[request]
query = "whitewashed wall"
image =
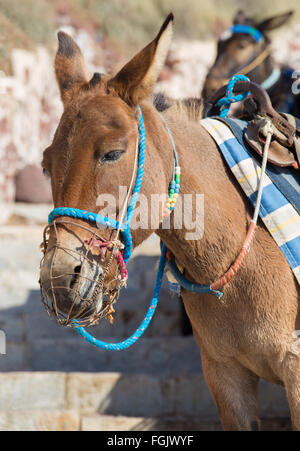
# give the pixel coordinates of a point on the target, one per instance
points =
(30, 108)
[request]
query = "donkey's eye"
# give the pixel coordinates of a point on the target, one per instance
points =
(114, 155)
(243, 44)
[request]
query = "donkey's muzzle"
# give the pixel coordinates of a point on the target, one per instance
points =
(70, 283)
(81, 273)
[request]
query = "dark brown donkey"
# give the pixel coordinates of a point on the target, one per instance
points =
(249, 333)
(241, 53)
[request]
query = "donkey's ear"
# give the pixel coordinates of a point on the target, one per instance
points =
(71, 72)
(274, 22)
(137, 79)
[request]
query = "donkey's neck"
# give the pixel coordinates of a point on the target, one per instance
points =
(265, 73)
(223, 221)
(262, 69)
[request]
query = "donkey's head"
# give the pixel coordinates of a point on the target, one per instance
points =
(243, 49)
(91, 156)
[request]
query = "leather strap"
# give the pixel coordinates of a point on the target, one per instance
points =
(292, 120)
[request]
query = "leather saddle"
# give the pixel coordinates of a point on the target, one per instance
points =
(282, 152)
(285, 146)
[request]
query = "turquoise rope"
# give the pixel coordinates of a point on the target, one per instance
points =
(99, 219)
(107, 222)
(140, 331)
(190, 286)
(84, 215)
(230, 98)
(247, 29)
(140, 172)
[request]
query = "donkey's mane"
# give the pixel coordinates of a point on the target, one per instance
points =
(191, 108)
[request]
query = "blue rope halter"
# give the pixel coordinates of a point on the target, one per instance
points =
(247, 29)
(230, 98)
(127, 239)
(144, 325)
(107, 222)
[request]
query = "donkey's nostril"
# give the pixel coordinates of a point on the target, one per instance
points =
(69, 281)
(75, 276)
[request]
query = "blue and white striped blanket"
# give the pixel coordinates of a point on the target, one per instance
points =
(279, 216)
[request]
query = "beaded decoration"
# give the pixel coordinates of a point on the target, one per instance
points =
(174, 189)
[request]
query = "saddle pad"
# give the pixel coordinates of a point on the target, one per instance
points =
(279, 216)
(287, 180)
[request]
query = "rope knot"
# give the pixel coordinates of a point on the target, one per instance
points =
(230, 98)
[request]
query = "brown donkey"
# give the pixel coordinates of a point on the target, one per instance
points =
(248, 334)
(251, 54)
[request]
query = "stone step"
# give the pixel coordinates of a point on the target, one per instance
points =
(69, 352)
(118, 423)
(22, 311)
(133, 395)
(35, 420)
(39, 420)
(29, 214)
(96, 422)
(131, 309)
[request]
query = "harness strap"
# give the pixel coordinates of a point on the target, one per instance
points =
(247, 29)
(249, 67)
(256, 62)
(144, 325)
(271, 80)
(230, 274)
(253, 64)
(186, 284)
(268, 132)
(125, 229)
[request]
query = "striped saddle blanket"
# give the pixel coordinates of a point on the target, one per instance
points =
(280, 207)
